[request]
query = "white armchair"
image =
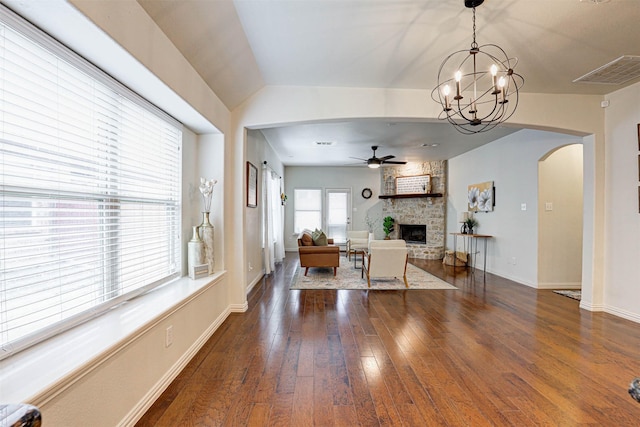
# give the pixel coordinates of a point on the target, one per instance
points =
(386, 258)
(357, 241)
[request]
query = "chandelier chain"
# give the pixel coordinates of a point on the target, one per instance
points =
(474, 45)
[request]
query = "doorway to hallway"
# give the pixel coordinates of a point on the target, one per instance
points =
(560, 218)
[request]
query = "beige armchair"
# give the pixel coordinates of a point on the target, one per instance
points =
(357, 241)
(385, 259)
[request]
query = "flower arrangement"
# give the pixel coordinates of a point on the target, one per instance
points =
(206, 189)
(283, 199)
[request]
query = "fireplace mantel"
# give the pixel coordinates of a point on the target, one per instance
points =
(408, 196)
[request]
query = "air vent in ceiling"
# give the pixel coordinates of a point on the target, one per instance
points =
(323, 143)
(616, 72)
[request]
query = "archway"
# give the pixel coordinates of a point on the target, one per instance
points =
(560, 218)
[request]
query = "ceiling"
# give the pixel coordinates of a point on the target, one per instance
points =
(240, 46)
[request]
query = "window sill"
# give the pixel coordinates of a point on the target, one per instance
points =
(38, 372)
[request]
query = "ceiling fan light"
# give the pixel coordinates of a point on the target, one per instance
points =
(374, 165)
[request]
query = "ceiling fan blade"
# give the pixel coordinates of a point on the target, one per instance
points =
(385, 158)
(393, 163)
(358, 158)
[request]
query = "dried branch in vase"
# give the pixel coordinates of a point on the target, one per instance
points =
(206, 189)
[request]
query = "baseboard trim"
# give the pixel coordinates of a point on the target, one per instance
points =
(156, 391)
(591, 307)
(634, 317)
(560, 285)
(239, 308)
(254, 282)
(505, 275)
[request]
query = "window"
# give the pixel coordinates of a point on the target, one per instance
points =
(90, 176)
(307, 205)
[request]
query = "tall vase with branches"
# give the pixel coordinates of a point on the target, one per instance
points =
(206, 229)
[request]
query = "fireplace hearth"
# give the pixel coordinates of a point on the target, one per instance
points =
(413, 233)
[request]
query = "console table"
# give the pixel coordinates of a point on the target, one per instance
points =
(472, 241)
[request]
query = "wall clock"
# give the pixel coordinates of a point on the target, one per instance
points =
(366, 193)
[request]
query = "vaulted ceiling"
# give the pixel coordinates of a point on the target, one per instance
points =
(240, 46)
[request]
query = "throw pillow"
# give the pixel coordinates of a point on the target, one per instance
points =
(306, 239)
(320, 239)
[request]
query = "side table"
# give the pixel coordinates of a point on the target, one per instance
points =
(472, 241)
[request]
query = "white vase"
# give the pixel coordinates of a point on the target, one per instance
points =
(206, 234)
(195, 252)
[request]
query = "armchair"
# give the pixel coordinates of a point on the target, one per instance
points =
(386, 258)
(357, 241)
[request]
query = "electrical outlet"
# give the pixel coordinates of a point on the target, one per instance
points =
(250, 267)
(168, 338)
(523, 206)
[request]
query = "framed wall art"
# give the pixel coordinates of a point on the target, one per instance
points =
(252, 185)
(417, 184)
(480, 197)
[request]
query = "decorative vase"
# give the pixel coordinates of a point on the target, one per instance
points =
(195, 252)
(206, 232)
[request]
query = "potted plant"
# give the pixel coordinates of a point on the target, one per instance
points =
(469, 224)
(387, 226)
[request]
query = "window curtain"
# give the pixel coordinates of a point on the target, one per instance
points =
(273, 220)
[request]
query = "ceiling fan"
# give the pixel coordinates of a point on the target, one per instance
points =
(375, 162)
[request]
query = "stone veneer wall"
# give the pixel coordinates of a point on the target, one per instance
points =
(427, 210)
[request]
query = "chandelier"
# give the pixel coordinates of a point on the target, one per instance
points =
(477, 88)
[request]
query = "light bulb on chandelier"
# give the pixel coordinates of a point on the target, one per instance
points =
(484, 82)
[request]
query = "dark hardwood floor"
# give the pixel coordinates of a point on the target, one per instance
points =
(494, 354)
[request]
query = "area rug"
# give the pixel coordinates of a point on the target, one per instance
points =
(348, 277)
(571, 294)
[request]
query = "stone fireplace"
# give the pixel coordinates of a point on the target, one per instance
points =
(426, 211)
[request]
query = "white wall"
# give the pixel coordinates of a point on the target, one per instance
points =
(210, 165)
(512, 164)
(353, 178)
(258, 151)
(622, 291)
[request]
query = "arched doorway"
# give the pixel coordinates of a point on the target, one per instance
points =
(560, 218)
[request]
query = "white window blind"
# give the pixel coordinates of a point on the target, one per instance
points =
(90, 179)
(307, 209)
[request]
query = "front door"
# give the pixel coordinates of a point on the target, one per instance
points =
(338, 212)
